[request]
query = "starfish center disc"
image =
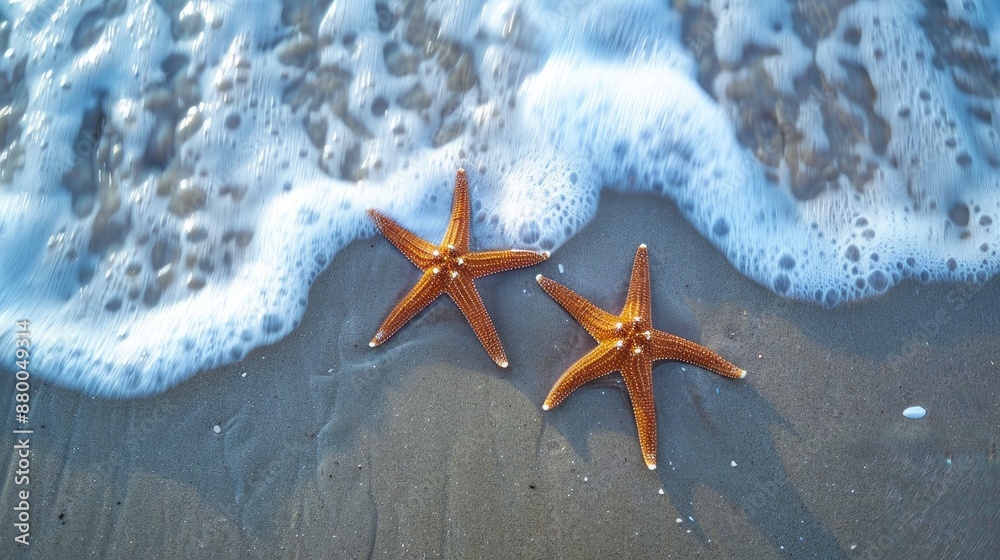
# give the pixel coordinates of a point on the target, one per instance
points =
(446, 262)
(633, 336)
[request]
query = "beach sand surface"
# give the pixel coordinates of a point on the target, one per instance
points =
(321, 447)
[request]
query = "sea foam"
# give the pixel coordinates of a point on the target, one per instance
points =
(174, 175)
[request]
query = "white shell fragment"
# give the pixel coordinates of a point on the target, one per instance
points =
(915, 412)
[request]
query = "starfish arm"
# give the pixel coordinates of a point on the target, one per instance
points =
(423, 293)
(598, 362)
(665, 346)
(483, 263)
(457, 233)
(599, 323)
(416, 249)
(638, 376)
(637, 303)
(463, 291)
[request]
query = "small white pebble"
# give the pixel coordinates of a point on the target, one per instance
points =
(915, 412)
(244, 374)
(679, 520)
(661, 491)
(732, 463)
(560, 268)
(216, 428)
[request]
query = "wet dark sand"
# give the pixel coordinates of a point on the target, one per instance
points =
(424, 448)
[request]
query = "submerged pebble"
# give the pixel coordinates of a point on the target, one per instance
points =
(915, 412)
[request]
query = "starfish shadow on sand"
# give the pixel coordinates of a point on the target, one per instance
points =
(702, 433)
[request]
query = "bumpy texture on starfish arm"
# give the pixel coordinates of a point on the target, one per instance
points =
(450, 268)
(629, 344)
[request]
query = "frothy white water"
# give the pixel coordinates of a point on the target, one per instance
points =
(173, 176)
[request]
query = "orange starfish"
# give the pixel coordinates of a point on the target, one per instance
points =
(450, 268)
(629, 344)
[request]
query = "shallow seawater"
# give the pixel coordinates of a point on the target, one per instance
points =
(190, 280)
